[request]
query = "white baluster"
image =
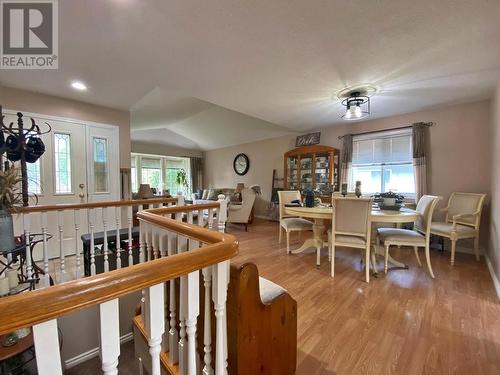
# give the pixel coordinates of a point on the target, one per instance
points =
(149, 243)
(27, 234)
(91, 215)
(210, 218)
(156, 324)
(142, 236)
(46, 342)
(109, 336)
(60, 220)
(222, 214)
(207, 322)
(192, 311)
(118, 248)
(181, 247)
(173, 337)
(165, 338)
(105, 243)
(77, 242)
(45, 249)
(220, 281)
(180, 199)
(130, 241)
(161, 244)
(155, 250)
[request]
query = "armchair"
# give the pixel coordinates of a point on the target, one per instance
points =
(240, 213)
(463, 217)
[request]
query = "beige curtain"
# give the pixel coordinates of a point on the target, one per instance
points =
(419, 136)
(196, 165)
(345, 159)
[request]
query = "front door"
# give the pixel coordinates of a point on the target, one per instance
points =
(64, 175)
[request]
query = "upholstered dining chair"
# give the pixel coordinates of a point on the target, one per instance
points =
(417, 237)
(351, 227)
(463, 218)
(240, 213)
(288, 222)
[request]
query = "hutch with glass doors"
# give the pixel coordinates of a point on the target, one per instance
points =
(313, 168)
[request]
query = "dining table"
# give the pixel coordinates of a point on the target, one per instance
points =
(321, 213)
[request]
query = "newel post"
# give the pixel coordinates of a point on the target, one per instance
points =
(222, 214)
(180, 199)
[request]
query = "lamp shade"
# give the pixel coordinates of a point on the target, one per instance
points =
(144, 192)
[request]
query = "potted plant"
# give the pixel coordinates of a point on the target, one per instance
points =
(181, 180)
(10, 197)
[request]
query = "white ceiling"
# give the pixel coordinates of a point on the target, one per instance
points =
(182, 64)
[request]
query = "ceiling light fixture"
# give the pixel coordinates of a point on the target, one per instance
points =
(78, 85)
(357, 106)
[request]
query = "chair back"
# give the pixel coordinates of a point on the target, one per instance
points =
(247, 200)
(338, 194)
(465, 203)
(425, 207)
(286, 197)
(351, 216)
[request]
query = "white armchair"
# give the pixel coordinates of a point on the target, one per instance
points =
(463, 217)
(240, 213)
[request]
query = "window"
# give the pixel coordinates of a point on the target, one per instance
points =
(151, 172)
(100, 146)
(382, 162)
(62, 159)
(34, 179)
(160, 172)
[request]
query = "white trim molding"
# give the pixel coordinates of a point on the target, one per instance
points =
(94, 352)
(494, 277)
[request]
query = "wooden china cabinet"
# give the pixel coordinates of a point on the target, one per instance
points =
(313, 168)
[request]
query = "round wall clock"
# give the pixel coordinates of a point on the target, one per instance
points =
(241, 164)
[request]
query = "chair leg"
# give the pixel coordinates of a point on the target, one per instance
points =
(428, 259)
(367, 263)
(374, 261)
(318, 256)
(332, 263)
(453, 247)
(279, 237)
(287, 242)
(415, 249)
(386, 258)
(476, 247)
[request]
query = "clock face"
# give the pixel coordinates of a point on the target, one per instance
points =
(241, 164)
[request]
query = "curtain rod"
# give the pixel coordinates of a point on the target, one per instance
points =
(383, 130)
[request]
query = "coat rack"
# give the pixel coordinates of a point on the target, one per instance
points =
(22, 145)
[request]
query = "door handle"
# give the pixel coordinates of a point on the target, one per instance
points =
(82, 194)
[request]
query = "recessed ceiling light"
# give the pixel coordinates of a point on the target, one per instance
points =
(78, 85)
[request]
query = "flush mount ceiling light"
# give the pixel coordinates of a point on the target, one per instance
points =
(78, 85)
(356, 100)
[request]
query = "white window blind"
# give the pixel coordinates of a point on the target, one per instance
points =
(383, 161)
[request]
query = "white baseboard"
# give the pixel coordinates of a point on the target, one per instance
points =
(494, 277)
(80, 358)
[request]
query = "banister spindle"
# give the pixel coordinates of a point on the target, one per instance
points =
(46, 277)
(105, 243)
(181, 247)
(27, 237)
(207, 322)
(173, 335)
(76, 214)
(210, 218)
(220, 280)
(46, 342)
(109, 336)
(155, 326)
(60, 224)
(192, 312)
(142, 240)
(91, 215)
(117, 241)
(222, 214)
(130, 240)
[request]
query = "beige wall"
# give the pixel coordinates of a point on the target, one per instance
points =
(494, 243)
(21, 100)
(158, 149)
(459, 151)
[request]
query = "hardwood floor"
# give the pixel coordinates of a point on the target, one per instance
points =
(401, 323)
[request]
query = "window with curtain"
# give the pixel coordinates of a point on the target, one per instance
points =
(151, 172)
(172, 166)
(383, 162)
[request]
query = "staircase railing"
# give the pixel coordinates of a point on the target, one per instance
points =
(60, 227)
(178, 251)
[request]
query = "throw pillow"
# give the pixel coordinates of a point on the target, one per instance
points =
(205, 194)
(213, 194)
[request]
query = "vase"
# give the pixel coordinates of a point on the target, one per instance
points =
(7, 242)
(357, 191)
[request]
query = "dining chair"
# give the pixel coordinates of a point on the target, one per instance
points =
(463, 218)
(290, 223)
(417, 237)
(351, 227)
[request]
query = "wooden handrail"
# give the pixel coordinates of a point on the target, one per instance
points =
(81, 206)
(38, 306)
(176, 209)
